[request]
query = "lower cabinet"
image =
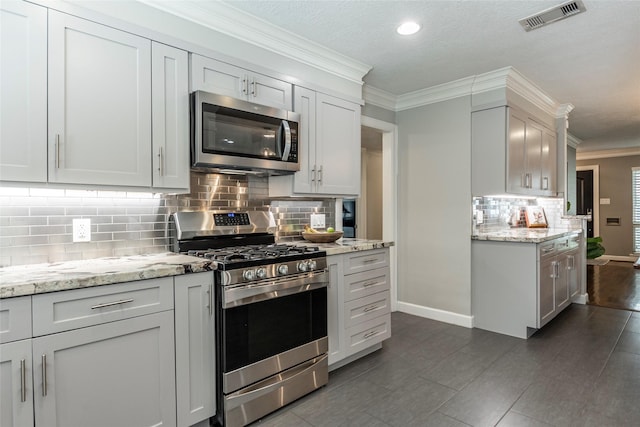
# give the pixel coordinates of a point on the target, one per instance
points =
(359, 311)
(195, 345)
(16, 384)
(118, 373)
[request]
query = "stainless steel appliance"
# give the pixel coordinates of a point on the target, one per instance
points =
(271, 311)
(229, 134)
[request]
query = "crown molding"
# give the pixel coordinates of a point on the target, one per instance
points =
(573, 141)
(379, 98)
(227, 19)
(439, 93)
(603, 154)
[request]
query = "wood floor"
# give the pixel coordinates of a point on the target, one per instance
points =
(614, 285)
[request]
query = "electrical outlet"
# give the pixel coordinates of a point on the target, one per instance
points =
(317, 221)
(82, 230)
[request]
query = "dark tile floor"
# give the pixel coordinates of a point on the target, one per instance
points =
(614, 285)
(582, 369)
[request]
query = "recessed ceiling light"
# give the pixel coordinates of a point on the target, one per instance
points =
(408, 28)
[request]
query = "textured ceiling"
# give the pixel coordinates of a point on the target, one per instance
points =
(591, 60)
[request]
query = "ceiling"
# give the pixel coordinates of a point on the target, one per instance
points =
(591, 60)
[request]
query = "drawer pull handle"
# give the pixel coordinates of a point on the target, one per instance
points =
(23, 380)
(547, 250)
(370, 308)
(109, 304)
(44, 374)
(370, 334)
(370, 260)
(370, 283)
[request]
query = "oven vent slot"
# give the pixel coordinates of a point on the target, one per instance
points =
(562, 11)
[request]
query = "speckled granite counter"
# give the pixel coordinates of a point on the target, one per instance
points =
(345, 245)
(524, 235)
(40, 278)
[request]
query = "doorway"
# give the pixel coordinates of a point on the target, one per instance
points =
(588, 196)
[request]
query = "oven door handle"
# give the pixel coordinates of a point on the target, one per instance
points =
(272, 383)
(233, 296)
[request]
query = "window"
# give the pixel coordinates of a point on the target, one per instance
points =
(635, 189)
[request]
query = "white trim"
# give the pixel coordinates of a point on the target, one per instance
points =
(389, 193)
(379, 97)
(436, 314)
(623, 258)
(227, 19)
(596, 196)
(573, 141)
(581, 299)
(434, 94)
(604, 154)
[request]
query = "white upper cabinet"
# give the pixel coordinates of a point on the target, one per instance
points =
(170, 117)
(23, 88)
(99, 104)
(512, 153)
(329, 138)
(224, 79)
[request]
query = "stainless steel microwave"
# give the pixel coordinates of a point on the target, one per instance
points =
(229, 134)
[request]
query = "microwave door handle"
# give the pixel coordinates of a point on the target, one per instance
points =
(287, 140)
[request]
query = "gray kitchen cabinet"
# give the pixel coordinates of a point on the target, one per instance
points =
(218, 77)
(329, 152)
(23, 88)
(359, 313)
(99, 104)
(16, 373)
(527, 149)
(195, 348)
(105, 355)
(170, 118)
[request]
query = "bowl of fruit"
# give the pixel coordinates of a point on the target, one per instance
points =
(316, 236)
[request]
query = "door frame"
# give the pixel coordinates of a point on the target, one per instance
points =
(595, 217)
(389, 193)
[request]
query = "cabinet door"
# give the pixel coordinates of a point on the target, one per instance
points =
(115, 374)
(337, 146)
(546, 298)
(170, 113)
(99, 104)
(549, 163)
(195, 348)
(304, 181)
(269, 91)
(16, 384)
(218, 77)
(561, 284)
(23, 92)
(574, 271)
(533, 137)
(335, 319)
(516, 154)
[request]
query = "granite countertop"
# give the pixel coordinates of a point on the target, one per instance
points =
(40, 278)
(524, 235)
(345, 245)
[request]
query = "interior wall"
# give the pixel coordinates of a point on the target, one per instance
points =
(374, 194)
(571, 180)
(615, 185)
(434, 206)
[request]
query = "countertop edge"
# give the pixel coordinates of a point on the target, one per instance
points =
(530, 238)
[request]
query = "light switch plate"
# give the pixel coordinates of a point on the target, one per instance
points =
(317, 221)
(82, 230)
(606, 201)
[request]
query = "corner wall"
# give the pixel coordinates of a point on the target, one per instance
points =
(434, 211)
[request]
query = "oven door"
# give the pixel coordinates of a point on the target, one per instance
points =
(272, 326)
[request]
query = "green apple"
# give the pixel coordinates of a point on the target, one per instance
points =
(330, 230)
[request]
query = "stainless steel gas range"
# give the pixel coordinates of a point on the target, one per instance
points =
(271, 311)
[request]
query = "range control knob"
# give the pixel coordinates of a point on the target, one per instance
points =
(249, 275)
(261, 273)
(283, 269)
(303, 266)
(312, 264)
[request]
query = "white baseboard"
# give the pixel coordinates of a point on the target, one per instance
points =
(436, 314)
(619, 258)
(581, 299)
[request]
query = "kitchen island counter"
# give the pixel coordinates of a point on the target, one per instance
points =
(345, 245)
(524, 235)
(41, 278)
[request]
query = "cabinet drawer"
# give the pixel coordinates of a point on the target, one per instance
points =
(366, 260)
(15, 319)
(365, 309)
(366, 283)
(547, 249)
(62, 311)
(366, 334)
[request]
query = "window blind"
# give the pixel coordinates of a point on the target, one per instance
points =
(635, 188)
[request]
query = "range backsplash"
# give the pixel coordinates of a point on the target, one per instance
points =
(498, 211)
(36, 224)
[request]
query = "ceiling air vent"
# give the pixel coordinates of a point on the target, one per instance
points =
(553, 14)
